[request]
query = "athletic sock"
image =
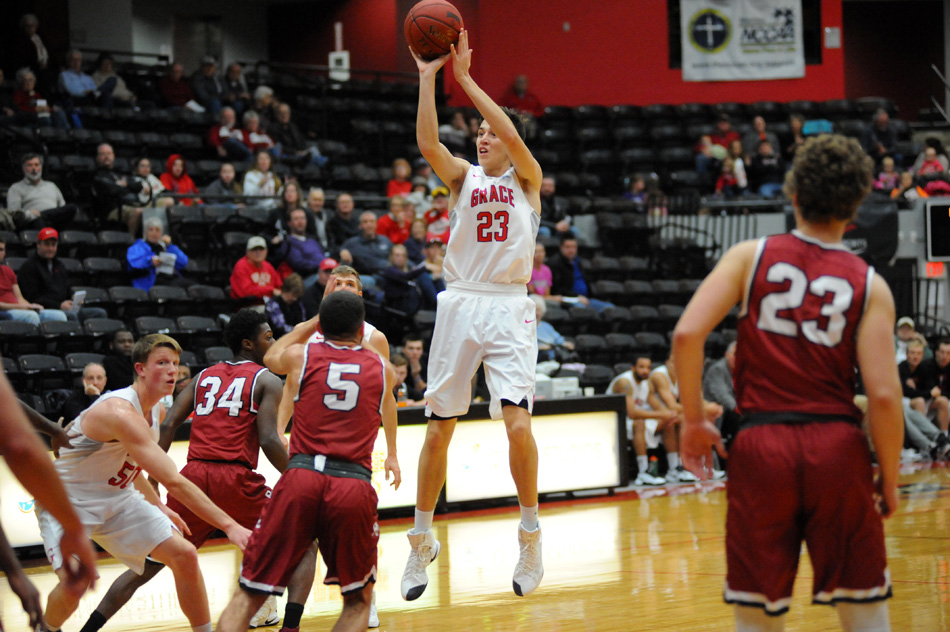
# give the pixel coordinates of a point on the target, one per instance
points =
(95, 622)
(423, 521)
(203, 628)
(673, 460)
(642, 463)
(292, 614)
(529, 517)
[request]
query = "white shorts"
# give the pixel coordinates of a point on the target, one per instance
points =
(128, 528)
(649, 432)
(482, 323)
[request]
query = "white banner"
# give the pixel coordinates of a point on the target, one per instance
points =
(741, 40)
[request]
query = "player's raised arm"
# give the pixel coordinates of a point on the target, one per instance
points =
(450, 169)
(525, 164)
(269, 395)
(882, 385)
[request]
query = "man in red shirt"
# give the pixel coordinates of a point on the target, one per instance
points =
(519, 98)
(253, 278)
(345, 393)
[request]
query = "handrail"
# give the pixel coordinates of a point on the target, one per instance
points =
(946, 91)
(161, 57)
(321, 69)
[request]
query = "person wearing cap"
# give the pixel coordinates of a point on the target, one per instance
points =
(12, 304)
(905, 333)
(44, 279)
(39, 201)
(209, 91)
(437, 217)
(253, 278)
(313, 295)
(298, 251)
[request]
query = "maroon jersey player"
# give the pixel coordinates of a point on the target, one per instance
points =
(234, 415)
(800, 467)
(345, 392)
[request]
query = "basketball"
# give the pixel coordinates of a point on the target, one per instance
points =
(431, 27)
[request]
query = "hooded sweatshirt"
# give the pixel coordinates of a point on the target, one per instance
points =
(181, 184)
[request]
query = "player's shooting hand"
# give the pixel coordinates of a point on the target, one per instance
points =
(886, 498)
(331, 287)
(29, 597)
(697, 441)
(430, 67)
(392, 467)
(239, 536)
(461, 56)
(60, 439)
(79, 562)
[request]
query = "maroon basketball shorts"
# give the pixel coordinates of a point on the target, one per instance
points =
(307, 506)
(795, 482)
(240, 492)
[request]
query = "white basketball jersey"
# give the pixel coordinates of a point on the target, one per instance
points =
(674, 387)
(92, 470)
(640, 390)
(493, 230)
(367, 332)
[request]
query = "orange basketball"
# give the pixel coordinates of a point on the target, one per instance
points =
(431, 27)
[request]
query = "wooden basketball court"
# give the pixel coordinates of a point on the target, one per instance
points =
(650, 559)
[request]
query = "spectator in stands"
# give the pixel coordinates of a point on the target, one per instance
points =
(416, 365)
(400, 183)
(455, 134)
(437, 217)
(261, 181)
(236, 93)
(291, 144)
(184, 378)
(155, 260)
(766, 171)
(758, 133)
(316, 200)
(569, 284)
(905, 333)
(344, 224)
(554, 218)
(919, 380)
(44, 280)
(888, 178)
(6, 101)
(434, 257)
(227, 139)
(79, 88)
(12, 304)
(152, 187)
(265, 104)
(207, 86)
(286, 310)
(549, 340)
(120, 372)
(177, 181)
(115, 196)
(424, 170)
(395, 223)
(724, 133)
(368, 252)
(739, 163)
(941, 154)
(880, 138)
(708, 155)
(313, 295)
(637, 191)
(541, 279)
(278, 220)
(105, 73)
(27, 49)
(727, 185)
(931, 163)
(255, 137)
(519, 97)
(225, 189)
(300, 252)
(908, 191)
(407, 289)
(796, 125)
(253, 278)
(718, 387)
(175, 90)
(416, 244)
(405, 395)
(38, 203)
(30, 108)
(93, 385)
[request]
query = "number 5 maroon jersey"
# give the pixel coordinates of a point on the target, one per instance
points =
(337, 411)
(224, 426)
(797, 350)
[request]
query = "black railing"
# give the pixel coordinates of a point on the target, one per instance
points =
(159, 58)
(944, 92)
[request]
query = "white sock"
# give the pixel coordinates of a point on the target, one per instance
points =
(673, 459)
(752, 619)
(866, 617)
(423, 522)
(529, 517)
(203, 628)
(642, 463)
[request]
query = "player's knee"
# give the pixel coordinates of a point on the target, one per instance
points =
(359, 599)
(941, 403)
(183, 558)
(519, 431)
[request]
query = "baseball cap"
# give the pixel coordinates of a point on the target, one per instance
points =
(328, 264)
(436, 192)
(256, 242)
(47, 233)
(209, 60)
(905, 320)
(434, 241)
(421, 162)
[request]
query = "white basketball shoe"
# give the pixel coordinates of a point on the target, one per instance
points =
(267, 615)
(425, 548)
(529, 570)
(373, 615)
